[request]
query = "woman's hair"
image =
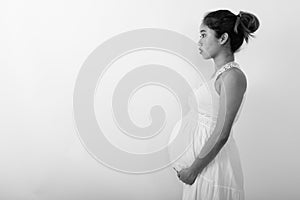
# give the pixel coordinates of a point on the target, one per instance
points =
(238, 27)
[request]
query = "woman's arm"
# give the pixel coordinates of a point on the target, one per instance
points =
(233, 86)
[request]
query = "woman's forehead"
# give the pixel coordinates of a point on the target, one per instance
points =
(203, 27)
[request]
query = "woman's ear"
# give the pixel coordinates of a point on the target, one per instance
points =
(224, 38)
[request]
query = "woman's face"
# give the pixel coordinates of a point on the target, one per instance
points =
(209, 45)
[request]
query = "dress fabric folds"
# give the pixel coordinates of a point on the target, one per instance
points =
(223, 178)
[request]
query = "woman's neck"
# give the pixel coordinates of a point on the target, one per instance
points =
(223, 59)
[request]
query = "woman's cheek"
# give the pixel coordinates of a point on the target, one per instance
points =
(207, 52)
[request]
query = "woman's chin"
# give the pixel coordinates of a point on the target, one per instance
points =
(205, 57)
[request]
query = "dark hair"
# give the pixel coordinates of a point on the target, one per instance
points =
(238, 27)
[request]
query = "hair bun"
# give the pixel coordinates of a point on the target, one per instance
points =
(246, 23)
(250, 21)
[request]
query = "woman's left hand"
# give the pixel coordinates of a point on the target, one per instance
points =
(187, 175)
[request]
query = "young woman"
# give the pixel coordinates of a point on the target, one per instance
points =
(210, 169)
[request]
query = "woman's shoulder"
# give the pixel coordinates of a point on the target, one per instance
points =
(234, 76)
(235, 72)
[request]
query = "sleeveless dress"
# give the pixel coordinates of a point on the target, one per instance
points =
(222, 179)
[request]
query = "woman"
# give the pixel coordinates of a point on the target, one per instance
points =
(210, 168)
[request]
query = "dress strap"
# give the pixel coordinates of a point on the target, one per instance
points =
(225, 67)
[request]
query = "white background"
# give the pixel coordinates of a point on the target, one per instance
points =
(43, 45)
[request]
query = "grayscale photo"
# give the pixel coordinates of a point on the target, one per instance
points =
(149, 100)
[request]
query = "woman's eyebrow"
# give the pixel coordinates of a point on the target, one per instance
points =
(201, 31)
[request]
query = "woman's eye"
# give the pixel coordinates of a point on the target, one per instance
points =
(202, 35)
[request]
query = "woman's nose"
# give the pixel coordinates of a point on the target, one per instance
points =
(199, 43)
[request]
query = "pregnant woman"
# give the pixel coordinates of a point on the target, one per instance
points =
(210, 168)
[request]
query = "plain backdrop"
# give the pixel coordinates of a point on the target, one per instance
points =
(42, 47)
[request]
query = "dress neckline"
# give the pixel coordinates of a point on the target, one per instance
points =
(224, 68)
(218, 73)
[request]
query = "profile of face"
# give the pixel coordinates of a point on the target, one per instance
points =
(209, 45)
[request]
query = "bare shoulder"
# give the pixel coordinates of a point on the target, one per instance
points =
(233, 78)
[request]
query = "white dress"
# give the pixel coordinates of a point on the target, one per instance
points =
(222, 179)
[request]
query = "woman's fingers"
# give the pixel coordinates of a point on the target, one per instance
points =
(175, 169)
(177, 172)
